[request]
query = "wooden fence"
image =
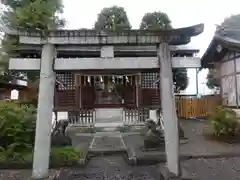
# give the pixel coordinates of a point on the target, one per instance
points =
(192, 106)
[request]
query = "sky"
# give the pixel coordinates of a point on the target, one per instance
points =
(83, 14)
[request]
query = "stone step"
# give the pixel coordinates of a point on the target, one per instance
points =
(108, 134)
(108, 124)
(106, 129)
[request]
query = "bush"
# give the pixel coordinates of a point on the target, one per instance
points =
(30, 103)
(58, 156)
(65, 155)
(17, 127)
(17, 134)
(223, 121)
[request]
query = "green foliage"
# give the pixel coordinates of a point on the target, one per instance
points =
(160, 20)
(17, 127)
(39, 15)
(30, 103)
(155, 21)
(180, 79)
(113, 18)
(65, 155)
(17, 134)
(223, 121)
(33, 14)
(58, 156)
(212, 81)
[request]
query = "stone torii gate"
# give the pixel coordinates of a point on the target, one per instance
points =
(49, 63)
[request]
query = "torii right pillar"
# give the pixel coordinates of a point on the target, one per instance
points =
(170, 120)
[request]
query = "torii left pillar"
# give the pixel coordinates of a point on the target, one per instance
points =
(44, 116)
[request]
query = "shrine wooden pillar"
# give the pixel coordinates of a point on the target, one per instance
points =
(168, 109)
(137, 82)
(78, 90)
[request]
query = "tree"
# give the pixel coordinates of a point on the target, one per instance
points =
(180, 79)
(212, 81)
(39, 15)
(155, 21)
(4, 75)
(160, 20)
(33, 14)
(113, 18)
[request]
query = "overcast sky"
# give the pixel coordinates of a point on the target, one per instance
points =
(83, 14)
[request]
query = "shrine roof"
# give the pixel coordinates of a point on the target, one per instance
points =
(227, 39)
(10, 85)
(172, 36)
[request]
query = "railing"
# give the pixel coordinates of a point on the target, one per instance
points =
(135, 116)
(187, 107)
(82, 117)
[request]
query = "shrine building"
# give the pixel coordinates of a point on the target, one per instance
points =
(105, 77)
(223, 55)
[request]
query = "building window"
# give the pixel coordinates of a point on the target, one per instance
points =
(148, 80)
(65, 81)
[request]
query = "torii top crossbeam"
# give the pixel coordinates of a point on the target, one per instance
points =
(93, 37)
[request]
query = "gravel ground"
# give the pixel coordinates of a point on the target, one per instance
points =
(197, 145)
(194, 131)
(22, 174)
(214, 169)
(206, 169)
(111, 167)
(115, 167)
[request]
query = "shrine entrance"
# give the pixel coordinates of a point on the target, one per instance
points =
(109, 95)
(108, 91)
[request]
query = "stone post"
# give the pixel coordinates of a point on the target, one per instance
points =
(44, 117)
(169, 110)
